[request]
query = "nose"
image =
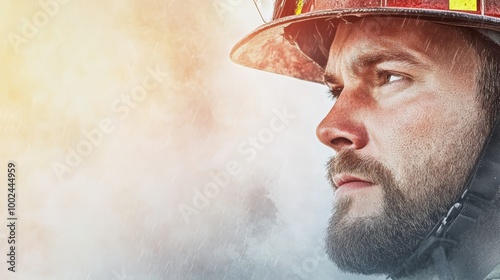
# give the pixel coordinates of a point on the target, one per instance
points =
(343, 128)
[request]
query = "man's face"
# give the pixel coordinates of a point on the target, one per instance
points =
(407, 127)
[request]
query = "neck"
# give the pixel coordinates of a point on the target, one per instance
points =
(478, 252)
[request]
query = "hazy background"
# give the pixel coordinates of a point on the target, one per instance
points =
(111, 209)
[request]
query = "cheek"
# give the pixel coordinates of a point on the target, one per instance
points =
(408, 136)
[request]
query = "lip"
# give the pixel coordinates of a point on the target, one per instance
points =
(348, 181)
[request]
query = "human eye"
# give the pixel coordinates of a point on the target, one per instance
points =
(392, 78)
(387, 77)
(390, 82)
(334, 93)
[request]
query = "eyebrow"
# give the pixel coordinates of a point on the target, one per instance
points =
(369, 59)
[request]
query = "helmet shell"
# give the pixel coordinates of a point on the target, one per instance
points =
(297, 45)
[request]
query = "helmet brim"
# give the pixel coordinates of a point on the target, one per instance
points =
(268, 48)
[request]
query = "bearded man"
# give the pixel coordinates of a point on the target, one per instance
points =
(414, 127)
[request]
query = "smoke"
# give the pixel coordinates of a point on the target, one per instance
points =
(142, 152)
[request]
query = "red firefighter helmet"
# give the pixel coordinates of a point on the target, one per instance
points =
(297, 40)
(296, 43)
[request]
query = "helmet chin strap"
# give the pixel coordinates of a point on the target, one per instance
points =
(480, 191)
(492, 35)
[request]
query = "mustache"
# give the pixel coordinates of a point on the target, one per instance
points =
(370, 169)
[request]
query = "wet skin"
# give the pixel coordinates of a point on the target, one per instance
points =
(405, 96)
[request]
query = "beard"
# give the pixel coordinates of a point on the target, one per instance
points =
(381, 242)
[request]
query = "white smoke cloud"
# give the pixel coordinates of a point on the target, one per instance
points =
(105, 161)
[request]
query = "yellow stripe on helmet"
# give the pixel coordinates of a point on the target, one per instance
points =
(300, 5)
(463, 5)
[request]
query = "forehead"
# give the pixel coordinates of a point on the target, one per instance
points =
(421, 39)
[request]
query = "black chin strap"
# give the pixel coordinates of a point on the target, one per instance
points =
(481, 190)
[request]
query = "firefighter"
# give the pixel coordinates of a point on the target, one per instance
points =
(414, 127)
